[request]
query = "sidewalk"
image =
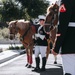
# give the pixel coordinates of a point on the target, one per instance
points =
(9, 54)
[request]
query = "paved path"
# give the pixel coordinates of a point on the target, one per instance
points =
(16, 66)
(9, 54)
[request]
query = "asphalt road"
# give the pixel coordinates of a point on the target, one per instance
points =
(16, 66)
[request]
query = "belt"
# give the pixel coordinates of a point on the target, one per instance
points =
(71, 24)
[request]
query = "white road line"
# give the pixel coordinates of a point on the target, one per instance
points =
(7, 62)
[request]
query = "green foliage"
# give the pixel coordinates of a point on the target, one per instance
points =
(34, 7)
(3, 25)
(0, 13)
(22, 47)
(11, 48)
(4, 33)
(16, 48)
(22, 9)
(11, 11)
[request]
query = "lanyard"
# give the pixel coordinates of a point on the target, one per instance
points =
(39, 28)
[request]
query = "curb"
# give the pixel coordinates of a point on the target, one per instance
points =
(10, 54)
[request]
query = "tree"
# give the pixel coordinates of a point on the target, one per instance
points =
(34, 7)
(22, 9)
(11, 11)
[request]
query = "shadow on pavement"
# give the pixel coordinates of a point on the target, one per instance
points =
(53, 71)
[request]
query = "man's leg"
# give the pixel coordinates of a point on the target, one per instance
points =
(68, 61)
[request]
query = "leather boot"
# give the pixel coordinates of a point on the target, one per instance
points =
(43, 64)
(37, 68)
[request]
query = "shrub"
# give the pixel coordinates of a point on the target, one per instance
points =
(22, 47)
(16, 48)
